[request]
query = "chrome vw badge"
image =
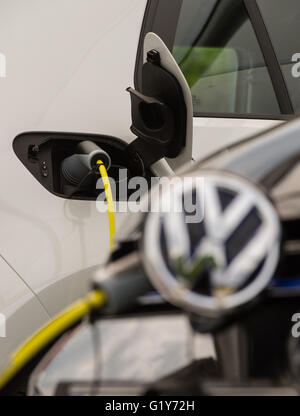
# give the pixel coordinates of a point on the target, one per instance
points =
(225, 258)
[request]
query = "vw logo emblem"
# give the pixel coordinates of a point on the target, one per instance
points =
(221, 262)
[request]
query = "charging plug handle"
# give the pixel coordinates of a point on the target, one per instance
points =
(95, 153)
(84, 159)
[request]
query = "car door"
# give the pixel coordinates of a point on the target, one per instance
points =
(229, 61)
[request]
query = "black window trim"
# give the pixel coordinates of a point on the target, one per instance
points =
(148, 26)
(264, 40)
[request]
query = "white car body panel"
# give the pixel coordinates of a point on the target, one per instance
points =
(212, 134)
(21, 311)
(62, 75)
(68, 65)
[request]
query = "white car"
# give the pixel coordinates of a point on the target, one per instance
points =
(64, 67)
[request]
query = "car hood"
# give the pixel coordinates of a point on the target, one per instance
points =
(271, 160)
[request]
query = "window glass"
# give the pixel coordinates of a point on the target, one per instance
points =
(283, 24)
(217, 50)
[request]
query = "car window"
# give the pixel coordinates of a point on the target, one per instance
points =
(218, 52)
(283, 30)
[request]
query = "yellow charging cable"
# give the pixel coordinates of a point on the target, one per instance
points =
(71, 315)
(110, 203)
(50, 332)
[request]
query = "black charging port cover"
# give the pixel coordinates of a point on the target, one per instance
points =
(159, 113)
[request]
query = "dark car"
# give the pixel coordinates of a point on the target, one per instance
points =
(252, 315)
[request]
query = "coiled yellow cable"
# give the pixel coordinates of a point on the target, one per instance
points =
(71, 315)
(50, 332)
